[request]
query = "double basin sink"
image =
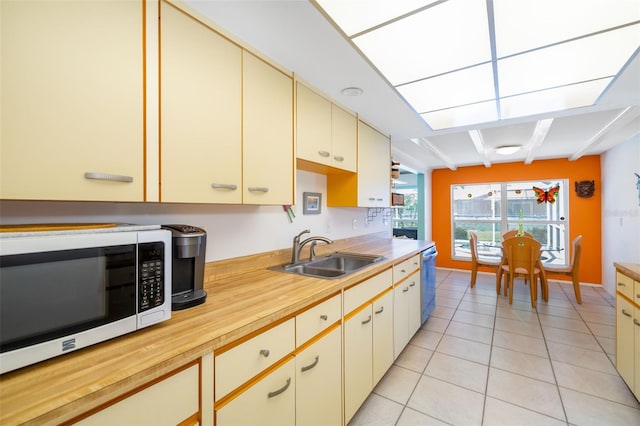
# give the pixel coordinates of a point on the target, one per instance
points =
(332, 266)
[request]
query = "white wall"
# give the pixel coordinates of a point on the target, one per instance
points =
(232, 231)
(620, 209)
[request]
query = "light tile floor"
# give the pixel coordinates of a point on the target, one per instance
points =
(480, 361)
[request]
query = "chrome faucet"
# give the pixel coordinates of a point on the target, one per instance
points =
(297, 245)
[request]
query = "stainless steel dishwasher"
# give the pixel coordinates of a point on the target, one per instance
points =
(428, 282)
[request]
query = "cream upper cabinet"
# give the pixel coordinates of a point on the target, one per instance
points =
(72, 115)
(201, 112)
(374, 167)
(326, 133)
(268, 159)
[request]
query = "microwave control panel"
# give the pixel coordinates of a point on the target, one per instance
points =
(150, 275)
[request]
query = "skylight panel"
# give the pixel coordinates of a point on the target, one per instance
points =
(594, 57)
(522, 25)
(462, 116)
(355, 16)
(557, 99)
(449, 90)
(446, 37)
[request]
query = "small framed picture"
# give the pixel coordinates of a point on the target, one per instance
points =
(312, 202)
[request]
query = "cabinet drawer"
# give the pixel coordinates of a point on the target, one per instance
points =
(170, 401)
(624, 285)
(403, 269)
(316, 319)
(235, 366)
(367, 290)
(636, 292)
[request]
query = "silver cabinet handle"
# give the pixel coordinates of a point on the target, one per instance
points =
(372, 198)
(625, 313)
(310, 366)
(224, 186)
(324, 154)
(367, 321)
(621, 284)
(405, 290)
(380, 311)
(258, 189)
(636, 322)
(413, 283)
(264, 352)
(339, 158)
(378, 199)
(403, 270)
(279, 391)
(324, 317)
(108, 177)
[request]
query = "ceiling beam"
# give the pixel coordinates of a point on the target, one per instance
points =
(537, 138)
(428, 145)
(595, 139)
(478, 142)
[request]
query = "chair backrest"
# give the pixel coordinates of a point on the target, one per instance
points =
(513, 233)
(521, 252)
(576, 251)
(473, 245)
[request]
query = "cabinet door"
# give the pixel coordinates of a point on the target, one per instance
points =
(344, 137)
(174, 400)
(382, 335)
(270, 401)
(374, 168)
(319, 381)
(268, 159)
(400, 317)
(201, 112)
(358, 360)
(313, 126)
(636, 353)
(71, 121)
(413, 304)
(625, 340)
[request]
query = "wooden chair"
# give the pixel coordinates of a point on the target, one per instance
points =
(476, 261)
(523, 254)
(508, 234)
(573, 268)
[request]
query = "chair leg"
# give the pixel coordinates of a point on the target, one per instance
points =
(474, 273)
(498, 280)
(576, 289)
(533, 290)
(510, 288)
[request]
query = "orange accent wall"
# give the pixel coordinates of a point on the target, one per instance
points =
(584, 213)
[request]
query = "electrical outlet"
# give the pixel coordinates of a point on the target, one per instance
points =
(355, 224)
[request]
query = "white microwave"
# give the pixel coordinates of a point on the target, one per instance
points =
(65, 290)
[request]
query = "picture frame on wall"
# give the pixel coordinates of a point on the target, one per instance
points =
(311, 203)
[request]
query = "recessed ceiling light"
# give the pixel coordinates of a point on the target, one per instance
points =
(508, 149)
(352, 91)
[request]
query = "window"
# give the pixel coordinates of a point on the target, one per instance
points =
(495, 208)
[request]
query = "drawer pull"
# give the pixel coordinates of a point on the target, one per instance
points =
(279, 391)
(636, 322)
(108, 177)
(405, 290)
(224, 186)
(258, 189)
(264, 352)
(621, 284)
(403, 271)
(625, 313)
(310, 366)
(324, 154)
(338, 158)
(324, 317)
(413, 283)
(380, 311)
(367, 321)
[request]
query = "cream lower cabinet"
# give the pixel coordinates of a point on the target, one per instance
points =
(71, 90)
(367, 339)
(319, 381)
(628, 331)
(268, 154)
(406, 311)
(174, 399)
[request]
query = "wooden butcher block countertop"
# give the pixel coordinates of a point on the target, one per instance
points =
(243, 296)
(632, 270)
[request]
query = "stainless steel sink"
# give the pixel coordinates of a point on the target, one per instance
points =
(332, 266)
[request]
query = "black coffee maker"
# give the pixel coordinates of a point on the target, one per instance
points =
(188, 247)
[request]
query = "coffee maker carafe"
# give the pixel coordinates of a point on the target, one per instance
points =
(188, 247)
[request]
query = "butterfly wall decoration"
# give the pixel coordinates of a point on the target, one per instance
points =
(548, 195)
